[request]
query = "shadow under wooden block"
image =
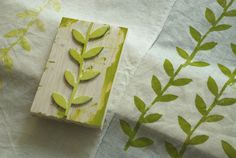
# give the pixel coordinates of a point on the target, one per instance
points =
(79, 74)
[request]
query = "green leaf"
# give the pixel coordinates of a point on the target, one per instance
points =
(224, 70)
(156, 85)
(195, 34)
(210, 16)
(76, 56)
(61, 113)
(14, 33)
(184, 125)
(89, 74)
(139, 104)
(152, 118)
(228, 149)
(169, 69)
(40, 25)
(233, 47)
(141, 142)
(227, 101)
(78, 36)
(7, 62)
(92, 52)
(199, 64)
(212, 86)
(214, 118)
(99, 32)
(222, 3)
(200, 105)
(182, 53)
(200, 139)
(231, 13)
(172, 151)
(70, 78)
(25, 44)
(126, 128)
(208, 46)
(168, 98)
(59, 100)
(181, 82)
(221, 27)
(81, 100)
(27, 14)
(56, 5)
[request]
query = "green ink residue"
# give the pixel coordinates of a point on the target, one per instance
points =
(67, 22)
(97, 120)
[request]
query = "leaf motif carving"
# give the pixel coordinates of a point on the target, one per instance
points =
(92, 52)
(81, 100)
(99, 32)
(59, 100)
(78, 36)
(89, 74)
(70, 78)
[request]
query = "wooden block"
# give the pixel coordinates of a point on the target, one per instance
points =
(78, 77)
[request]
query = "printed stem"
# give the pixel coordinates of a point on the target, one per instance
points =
(75, 88)
(202, 120)
(172, 78)
(28, 26)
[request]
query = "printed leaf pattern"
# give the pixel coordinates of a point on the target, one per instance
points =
(184, 125)
(83, 74)
(229, 150)
(172, 151)
(156, 85)
(200, 105)
(233, 46)
(200, 139)
(168, 68)
(212, 86)
(195, 34)
(19, 34)
(141, 142)
(182, 52)
(126, 128)
(204, 109)
(139, 104)
(210, 16)
(152, 118)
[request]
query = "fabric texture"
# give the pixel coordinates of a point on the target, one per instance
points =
(176, 33)
(22, 135)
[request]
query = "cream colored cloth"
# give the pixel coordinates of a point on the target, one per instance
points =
(24, 136)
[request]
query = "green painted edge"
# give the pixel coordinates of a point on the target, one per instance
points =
(109, 77)
(66, 22)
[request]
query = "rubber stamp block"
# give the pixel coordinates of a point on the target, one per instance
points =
(79, 73)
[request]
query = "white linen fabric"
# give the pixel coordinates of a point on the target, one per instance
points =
(22, 135)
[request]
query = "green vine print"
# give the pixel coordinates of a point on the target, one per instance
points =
(19, 34)
(229, 150)
(160, 91)
(83, 74)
